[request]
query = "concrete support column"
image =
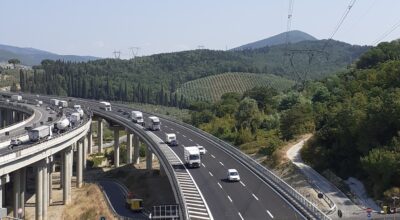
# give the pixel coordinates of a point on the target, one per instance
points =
(51, 170)
(62, 170)
(100, 135)
(90, 141)
(45, 188)
(13, 117)
(71, 160)
(116, 147)
(129, 146)
(79, 165)
(67, 175)
(22, 191)
(39, 191)
(136, 148)
(85, 151)
(16, 192)
(149, 159)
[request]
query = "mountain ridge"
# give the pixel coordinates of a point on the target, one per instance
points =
(294, 36)
(32, 56)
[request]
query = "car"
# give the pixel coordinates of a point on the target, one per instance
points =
(233, 175)
(48, 108)
(202, 150)
(52, 112)
(15, 142)
(120, 110)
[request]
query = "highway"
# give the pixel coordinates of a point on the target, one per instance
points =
(116, 196)
(41, 115)
(251, 198)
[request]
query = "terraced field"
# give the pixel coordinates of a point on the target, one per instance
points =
(212, 87)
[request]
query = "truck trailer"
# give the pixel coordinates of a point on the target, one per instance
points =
(16, 98)
(155, 123)
(39, 133)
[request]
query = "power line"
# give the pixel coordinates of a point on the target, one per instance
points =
(289, 21)
(341, 20)
(134, 51)
(117, 54)
(384, 35)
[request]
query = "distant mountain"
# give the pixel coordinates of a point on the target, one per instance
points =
(294, 37)
(31, 56)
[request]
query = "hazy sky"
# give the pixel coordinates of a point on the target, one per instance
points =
(98, 27)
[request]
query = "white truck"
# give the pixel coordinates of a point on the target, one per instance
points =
(79, 110)
(75, 118)
(63, 103)
(137, 117)
(40, 133)
(16, 98)
(155, 123)
(54, 102)
(106, 106)
(170, 139)
(192, 156)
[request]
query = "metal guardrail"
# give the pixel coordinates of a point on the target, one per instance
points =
(162, 158)
(298, 200)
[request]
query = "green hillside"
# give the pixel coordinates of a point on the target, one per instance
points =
(212, 87)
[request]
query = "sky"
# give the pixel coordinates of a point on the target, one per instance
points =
(99, 27)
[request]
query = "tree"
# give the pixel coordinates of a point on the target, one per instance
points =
(263, 96)
(297, 120)
(14, 62)
(247, 116)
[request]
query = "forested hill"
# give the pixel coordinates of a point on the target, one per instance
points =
(154, 79)
(358, 122)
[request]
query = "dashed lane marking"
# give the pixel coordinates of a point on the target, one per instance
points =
(203, 165)
(210, 173)
(219, 185)
(221, 163)
(212, 156)
(240, 215)
(269, 213)
(230, 198)
(255, 196)
(242, 184)
(190, 139)
(183, 135)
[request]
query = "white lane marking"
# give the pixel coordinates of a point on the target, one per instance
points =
(242, 184)
(203, 165)
(230, 198)
(177, 132)
(171, 129)
(221, 163)
(255, 196)
(165, 126)
(212, 156)
(183, 135)
(219, 185)
(210, 173)
(190, 139)
(199, 217)
(269, 213)
(240, 215)
(183, 145)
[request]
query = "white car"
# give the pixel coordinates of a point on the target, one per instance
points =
(233, 175)
(202, 150)
(14, 142)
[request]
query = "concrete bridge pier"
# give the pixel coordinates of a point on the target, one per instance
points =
(39, 190)
(3, 180)
(136, 148)
(79, 164)
(45, 190)
(149, 159)
(85, 151)
(116, 146)
(90, 141)
(100, 135)
(16, 192)
(129, 146)
(67, 171)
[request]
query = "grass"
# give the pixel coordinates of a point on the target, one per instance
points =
(212, 87)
